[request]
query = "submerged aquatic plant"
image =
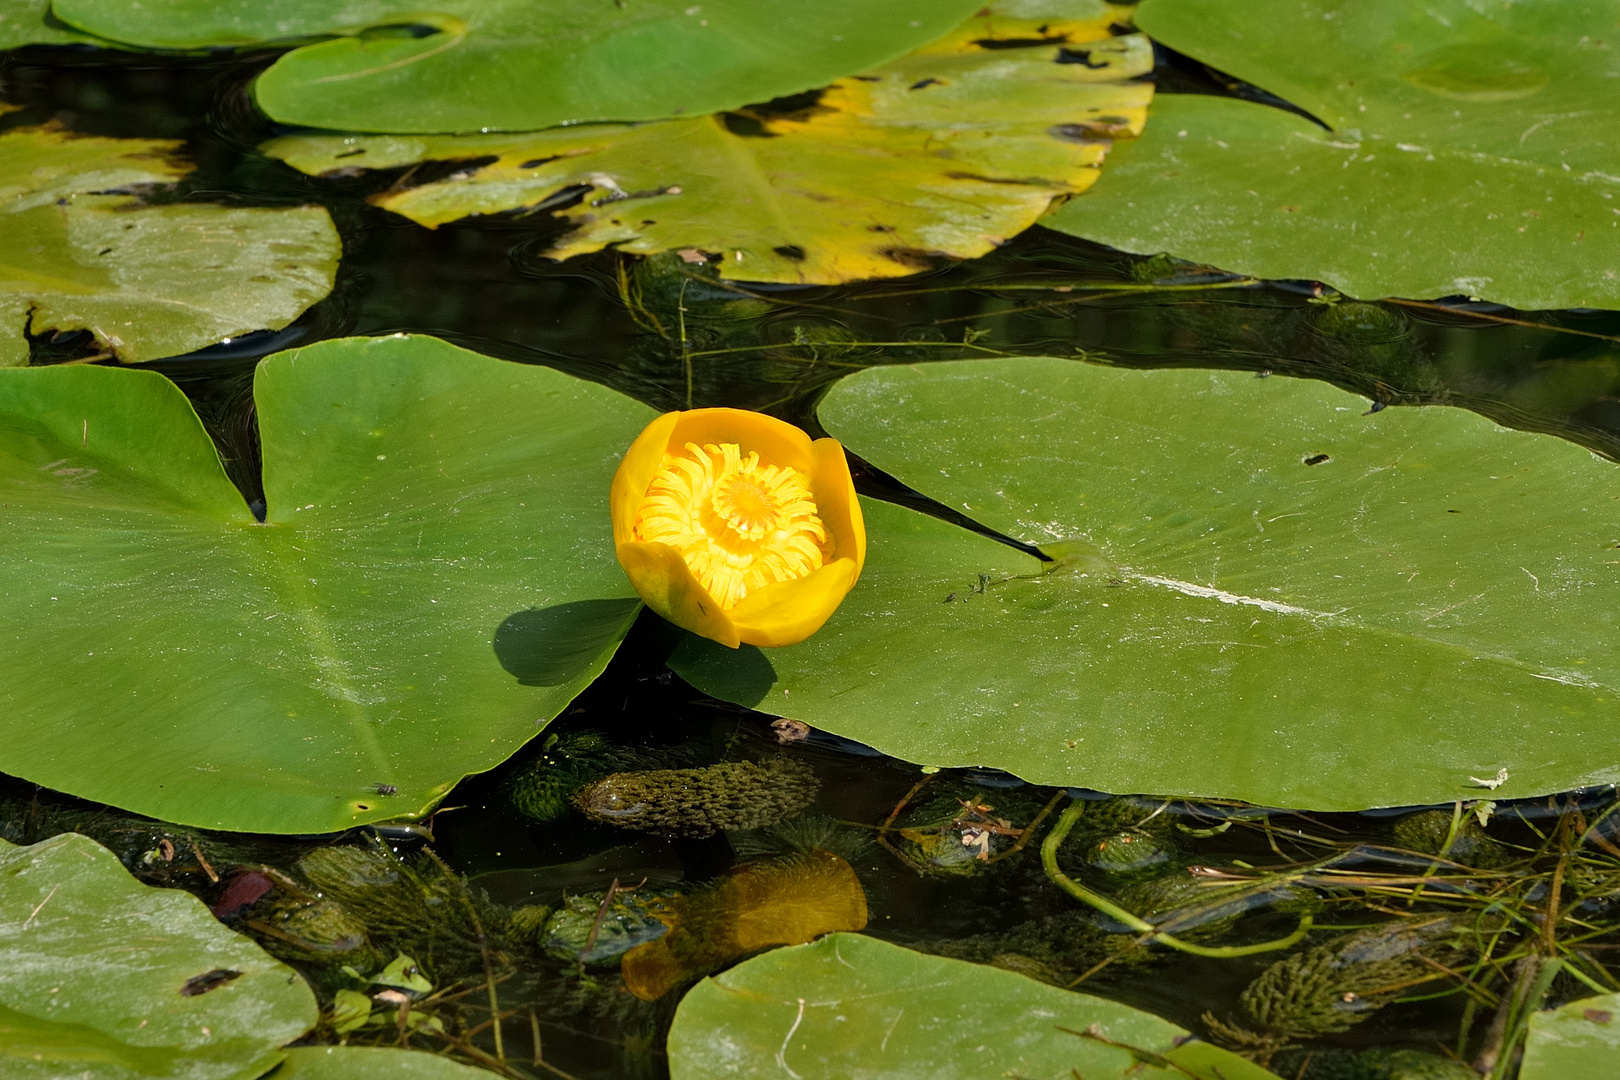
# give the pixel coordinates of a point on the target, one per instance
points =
(1331, 987)
(544, 789)
(786, 901)
(800, 834)
(700, 802)
(596, 929)
(735, 526)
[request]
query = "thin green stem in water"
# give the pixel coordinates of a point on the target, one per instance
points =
(1049, 848)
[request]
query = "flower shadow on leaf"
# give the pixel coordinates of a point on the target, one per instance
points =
(551, 646)
(748, 671)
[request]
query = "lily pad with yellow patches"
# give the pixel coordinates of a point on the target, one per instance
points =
(80, 251)
(943, 153)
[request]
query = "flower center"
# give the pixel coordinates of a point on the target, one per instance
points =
(739, 525)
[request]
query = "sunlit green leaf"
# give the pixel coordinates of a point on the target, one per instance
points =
(850, 1005)
(1452, 73)
(103, 978)
(434, 580)
(1580, 1041)
(28, 22)
(147, 281)
(946, 152)
(1472, 150)
(1261, 593)
(515, 65)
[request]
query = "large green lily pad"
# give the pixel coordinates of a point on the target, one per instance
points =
(946, 152)
(103, 978)
(1263, 593)
(433, 582)
(147, 281)
(850, 1005)
(1580, 1041)
(370, 1063)
(517, 65)
(1472, 150)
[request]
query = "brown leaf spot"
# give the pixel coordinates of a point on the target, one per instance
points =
(208, 980)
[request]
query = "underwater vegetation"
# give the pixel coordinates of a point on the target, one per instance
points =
(735, 795)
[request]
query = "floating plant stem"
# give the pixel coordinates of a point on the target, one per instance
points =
(1049, 860)
(1505, 320)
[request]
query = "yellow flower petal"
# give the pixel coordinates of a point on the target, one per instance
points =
(734, 525)
(666, 584)
(789, 611)
(776, 441)
(840, 507)
(635, 472)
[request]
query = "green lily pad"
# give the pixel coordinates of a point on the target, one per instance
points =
(1580, 1041)
(518, 65)
(370, 1063)
(147, 281)
(850, 1005)
(1261, 593)
(433, 582)
(1260, 191)
(1472, 150)
(946, 152)
(103, 978)
(27, 22)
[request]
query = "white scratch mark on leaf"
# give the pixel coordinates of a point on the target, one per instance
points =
(884, 1045)
(1224, 597)
(1567, 678)
(781, 1054)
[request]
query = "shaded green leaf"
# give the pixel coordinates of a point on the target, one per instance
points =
(147, 281)
(516, 65)
(850, 1005)
(1472, 150)
(1260, 593)
(946, 152)
(103, 978)
(170, 655)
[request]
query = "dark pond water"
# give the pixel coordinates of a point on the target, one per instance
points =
(663, 332)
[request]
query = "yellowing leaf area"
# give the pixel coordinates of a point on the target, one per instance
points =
(146, 280)
(946, 152)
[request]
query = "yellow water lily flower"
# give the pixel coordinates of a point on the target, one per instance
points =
(735, 526)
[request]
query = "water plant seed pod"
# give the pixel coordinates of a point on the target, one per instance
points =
(736, 526)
